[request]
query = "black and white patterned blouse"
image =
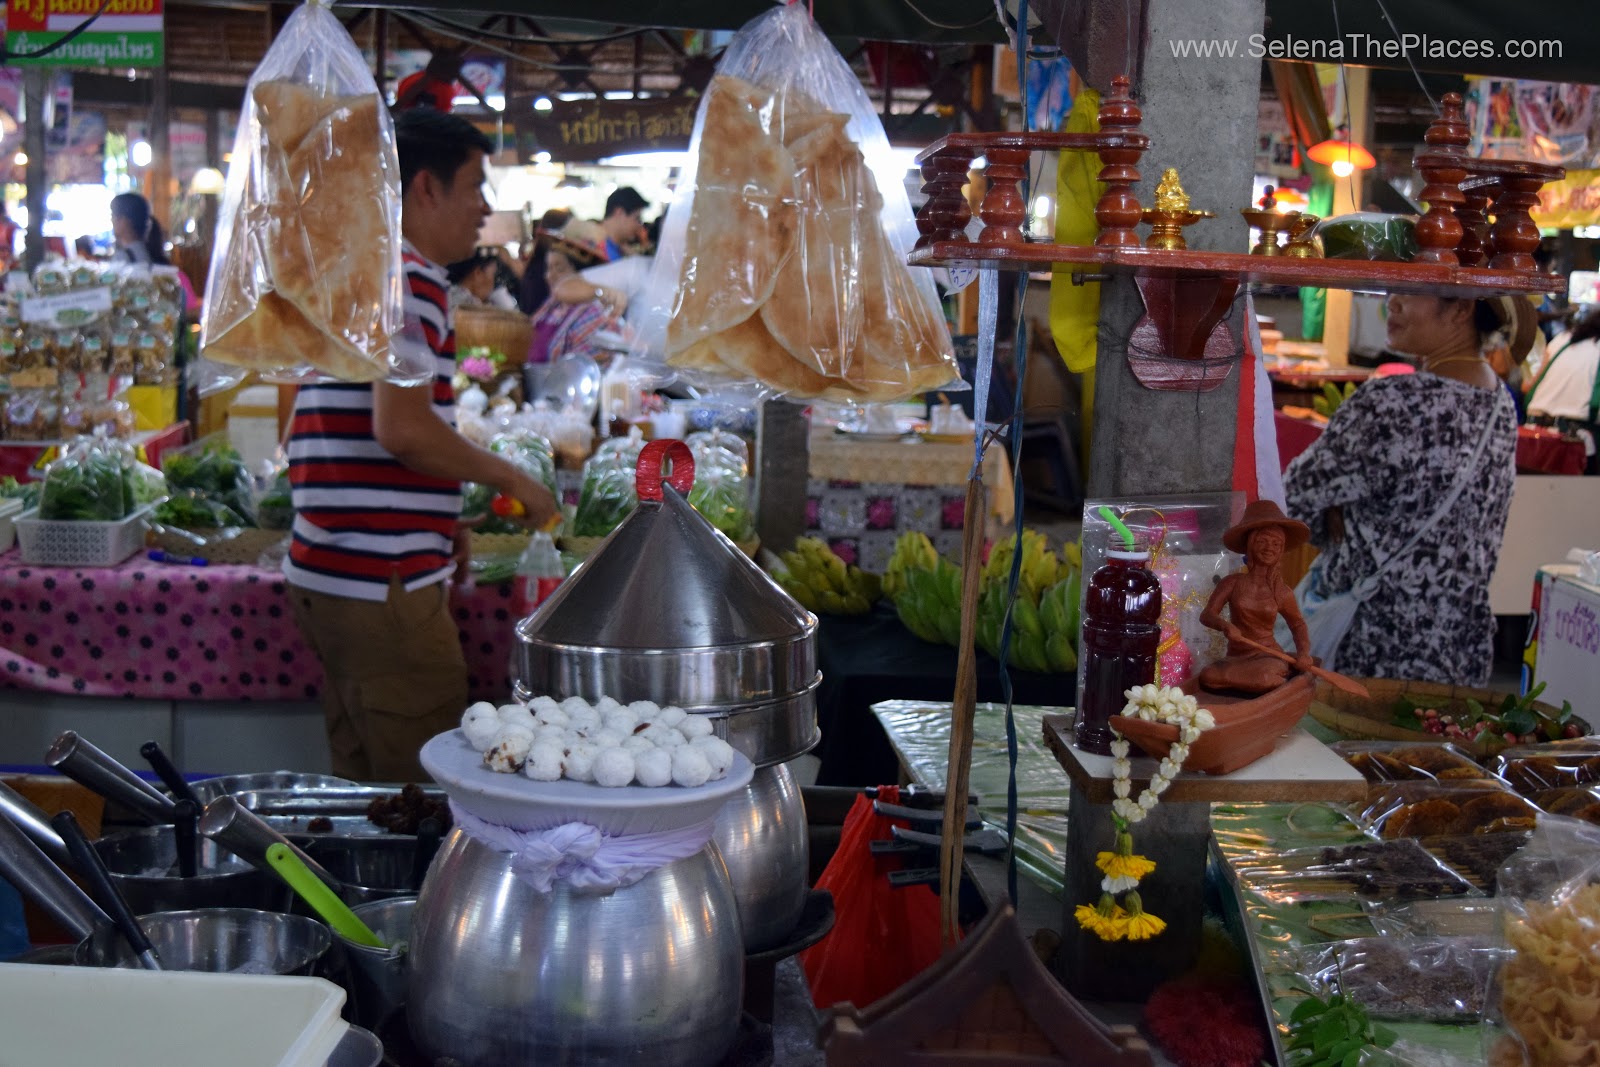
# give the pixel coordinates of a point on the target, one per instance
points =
(1389, 457)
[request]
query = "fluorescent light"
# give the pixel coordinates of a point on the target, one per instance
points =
(645, 159)
(139, 154)
(20, 159)
(1342, 168)
(541, 157)
(542, 104)
(207, 181)
(1041, 206)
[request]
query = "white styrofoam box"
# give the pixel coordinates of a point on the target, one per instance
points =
(165, 1018)
(1568, 658)
(253, 424)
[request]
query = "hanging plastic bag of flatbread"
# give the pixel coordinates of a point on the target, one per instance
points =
(783, 259)
(306, 280)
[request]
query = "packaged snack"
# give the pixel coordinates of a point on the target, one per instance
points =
(1439, 978)
(1575, 802)
(1390, 869)
(1401, 761)
(1435, 809)
(1368, 235)
(1534, 768)
(33, 414)
(306, 277)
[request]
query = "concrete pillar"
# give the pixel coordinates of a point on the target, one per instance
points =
(783, 459)
(1200, 115)
(36, 92)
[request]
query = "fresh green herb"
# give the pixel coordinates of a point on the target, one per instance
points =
(27, 492)
(1333, 1033)
(215, 470)
(93, 485)
(191, 510)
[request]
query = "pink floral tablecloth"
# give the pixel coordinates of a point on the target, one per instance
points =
(163, 632)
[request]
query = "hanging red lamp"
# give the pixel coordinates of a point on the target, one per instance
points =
(1341, 154)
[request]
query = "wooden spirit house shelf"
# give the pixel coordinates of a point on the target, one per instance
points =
(1460, 255)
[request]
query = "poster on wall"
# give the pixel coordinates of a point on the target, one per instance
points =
(76, 152)
(1274, 141)
(1049, 92)
(485, 73)
(1547, 122)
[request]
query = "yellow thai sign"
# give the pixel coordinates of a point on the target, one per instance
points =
(1572, 201)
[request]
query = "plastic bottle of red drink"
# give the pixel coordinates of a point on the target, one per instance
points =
(539, 571)
(1121, 633)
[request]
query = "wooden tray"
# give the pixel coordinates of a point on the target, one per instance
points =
(1367, 718)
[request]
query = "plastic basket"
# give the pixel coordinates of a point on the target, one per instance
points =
(62, 543)
(8, 516)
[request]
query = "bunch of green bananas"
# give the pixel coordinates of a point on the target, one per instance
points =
(912, 551)
(1326, 404)
(824, 583)
(930, 602)
(1044, 628)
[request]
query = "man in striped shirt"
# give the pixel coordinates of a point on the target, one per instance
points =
(376, 473)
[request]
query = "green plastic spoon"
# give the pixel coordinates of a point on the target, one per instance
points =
(346, 923)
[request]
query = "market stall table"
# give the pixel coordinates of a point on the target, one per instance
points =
(862, 493)
(1544, 451)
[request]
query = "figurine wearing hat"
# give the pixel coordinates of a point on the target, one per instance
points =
(1254, 598)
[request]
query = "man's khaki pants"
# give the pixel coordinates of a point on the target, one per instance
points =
(395, 672)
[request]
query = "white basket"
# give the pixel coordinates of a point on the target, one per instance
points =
(8, 522)
(64, 543)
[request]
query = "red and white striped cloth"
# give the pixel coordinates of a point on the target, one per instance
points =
(361, 516)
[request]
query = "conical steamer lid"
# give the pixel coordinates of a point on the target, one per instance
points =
(668, 609)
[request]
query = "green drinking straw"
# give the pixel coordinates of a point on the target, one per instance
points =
(346, 923)
(1118, 525)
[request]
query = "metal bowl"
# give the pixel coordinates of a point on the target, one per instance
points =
(219, 941)
(209, 789)
(761, 833)
(143, 863)
(370, 868)
(375, 978)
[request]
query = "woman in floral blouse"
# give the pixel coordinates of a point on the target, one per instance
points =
(1389, 458)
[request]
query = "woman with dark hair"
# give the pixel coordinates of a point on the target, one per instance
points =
(1432, 452)
(138, 234)
(474, 282)
(1565, 389)
(535, 290)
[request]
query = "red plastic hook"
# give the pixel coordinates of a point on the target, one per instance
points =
(653, 459)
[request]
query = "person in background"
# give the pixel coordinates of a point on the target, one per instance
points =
(84, 247)
(1390, 458)
(564, 327)
(474, 282)
(1564, 387)
(623, 221)
(8, 238)
(376, 473)
(138, 234)
(534, 290)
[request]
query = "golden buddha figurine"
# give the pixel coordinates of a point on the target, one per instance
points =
(1171, 214)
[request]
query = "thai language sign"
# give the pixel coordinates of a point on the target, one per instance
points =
(128, 33)
(581, 131)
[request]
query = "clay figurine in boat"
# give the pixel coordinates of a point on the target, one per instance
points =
(1257, 692)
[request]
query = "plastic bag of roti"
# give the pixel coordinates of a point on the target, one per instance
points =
(306, 281)
(782, 260)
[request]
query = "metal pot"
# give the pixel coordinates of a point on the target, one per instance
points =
(218, 940)
(376, 977)
(762, 836)
(500, 973)
(139, 861)
(368, 868)
(668, 609)
(209, 789)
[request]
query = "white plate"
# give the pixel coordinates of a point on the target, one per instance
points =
(518, 801)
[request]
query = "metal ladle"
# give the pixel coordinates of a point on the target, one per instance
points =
(94, 870)
(25, 865)
(248, 836)
(31, 820)
(90, 767)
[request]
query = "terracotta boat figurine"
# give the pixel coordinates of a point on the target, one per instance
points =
(1247, 727)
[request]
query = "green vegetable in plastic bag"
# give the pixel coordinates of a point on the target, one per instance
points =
(533, 455)
(27, 492)
(193, 510)
(724, 499)
(215, 470)
(91, 482)
(609, 494)
(275, 510)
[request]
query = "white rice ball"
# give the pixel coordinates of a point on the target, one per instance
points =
(662, 736)
(613, 767)
(543, 763)
(717, 752)
(671, 716)
(509, 751)
(619, 719)
(517, 715)
(577, 762)
(551, 735)
(576, 706)
(607, 704)
(543, 706)
(645, 710)
(653, 767)
(607, 738)
(636, 744)
(695, 727)
(584, 720)
(480, 723)
(689, 767)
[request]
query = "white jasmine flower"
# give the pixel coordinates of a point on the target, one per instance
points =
(1121, 787)
(1147, 801)
(1119, 885)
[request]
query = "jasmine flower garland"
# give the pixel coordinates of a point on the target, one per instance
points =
(1110, 919)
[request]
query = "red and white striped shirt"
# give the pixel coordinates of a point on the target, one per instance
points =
(360, 515)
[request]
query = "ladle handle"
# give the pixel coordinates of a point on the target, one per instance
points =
(186, 833)
(36, 875)
(652, 458)
(93, 870)
(87, 765)
(168, 773)
(346, 923)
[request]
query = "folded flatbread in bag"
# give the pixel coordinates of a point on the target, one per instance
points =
(812, 301)
(309, 273)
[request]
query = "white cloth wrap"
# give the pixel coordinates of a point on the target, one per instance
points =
(580, 855)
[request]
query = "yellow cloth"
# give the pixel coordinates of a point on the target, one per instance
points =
(1075, 309)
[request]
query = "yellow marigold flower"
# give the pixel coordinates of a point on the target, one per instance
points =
(1105, 927)
(1116, 866)
(1143, 926)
